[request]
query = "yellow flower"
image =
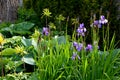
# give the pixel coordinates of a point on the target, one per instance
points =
(60, 17)
(52, 26)
(75, 21)
(20, 50)
(1, 39)
(36, 34)
(46, 12)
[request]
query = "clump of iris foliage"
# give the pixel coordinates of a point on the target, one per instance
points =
(47, 57)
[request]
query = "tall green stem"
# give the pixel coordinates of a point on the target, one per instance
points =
(46, 21)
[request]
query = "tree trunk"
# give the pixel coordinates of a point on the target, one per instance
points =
(8, 10)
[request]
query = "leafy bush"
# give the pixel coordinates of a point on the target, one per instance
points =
(26, 15)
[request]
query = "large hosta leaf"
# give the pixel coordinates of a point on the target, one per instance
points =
(20, 28)
(27, 42)
(59, 39)
(28, 59)
(34, 43)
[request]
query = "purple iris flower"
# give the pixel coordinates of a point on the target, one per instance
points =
(96, 23)
(81, 30)
(45, 31)
(81, 25)
(102, 17)
(103, 20)
(99, 23)
(78, 46)
(89, 47)
(75, 56)
(75, 44)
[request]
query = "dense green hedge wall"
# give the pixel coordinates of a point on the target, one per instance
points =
(82, 9)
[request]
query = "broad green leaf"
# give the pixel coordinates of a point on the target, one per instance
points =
(21, 32)
(8, 51)
(61, 40)
(28, 59)
(6, 29)
(4, 61)
(23, 26)
(27, 42)
(115, 52)
(34, 43)
(20, 28)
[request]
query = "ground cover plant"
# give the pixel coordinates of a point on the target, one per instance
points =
(45, 55)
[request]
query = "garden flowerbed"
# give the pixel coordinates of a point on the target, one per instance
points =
(43, 55)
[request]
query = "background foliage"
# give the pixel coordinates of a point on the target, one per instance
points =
(81, 9)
